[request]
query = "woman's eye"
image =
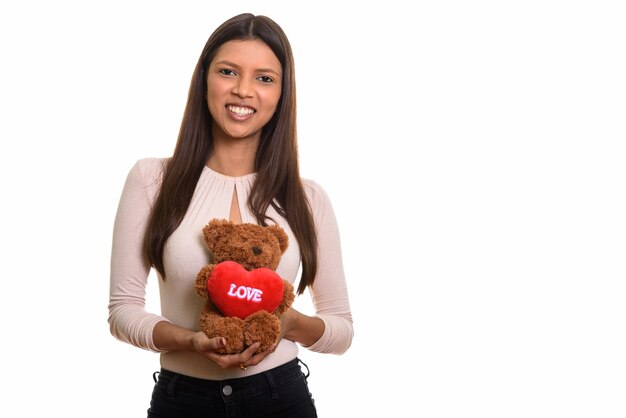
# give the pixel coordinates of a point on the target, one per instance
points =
(266, 79)
(227, 71)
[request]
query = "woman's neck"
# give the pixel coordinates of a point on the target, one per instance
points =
(233, 158)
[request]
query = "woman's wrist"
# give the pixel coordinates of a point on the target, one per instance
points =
(167, 336)
(303, 329)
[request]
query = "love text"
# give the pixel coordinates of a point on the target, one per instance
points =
(245, 292)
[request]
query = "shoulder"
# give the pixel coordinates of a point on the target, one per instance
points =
(318, 199)
(149, 170)
(321, 207)
(150, 167)
(314, 192)
(147, 173)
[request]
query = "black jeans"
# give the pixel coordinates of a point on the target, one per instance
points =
(278, 392)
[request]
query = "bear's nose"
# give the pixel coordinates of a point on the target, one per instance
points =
(256, 250)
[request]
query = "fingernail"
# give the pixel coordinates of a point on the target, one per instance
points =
(221, 342)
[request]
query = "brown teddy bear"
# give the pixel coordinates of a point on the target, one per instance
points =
(244, 295)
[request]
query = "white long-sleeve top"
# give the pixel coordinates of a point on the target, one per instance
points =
(186, 253)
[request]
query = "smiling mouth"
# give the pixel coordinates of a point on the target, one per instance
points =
(241, 111)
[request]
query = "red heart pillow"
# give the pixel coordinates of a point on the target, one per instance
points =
(239, 292)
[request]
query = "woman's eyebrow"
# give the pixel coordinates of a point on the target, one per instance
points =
(259, 70)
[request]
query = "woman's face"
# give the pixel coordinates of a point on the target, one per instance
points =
(243, 88)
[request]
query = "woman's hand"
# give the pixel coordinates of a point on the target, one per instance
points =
(210, 346)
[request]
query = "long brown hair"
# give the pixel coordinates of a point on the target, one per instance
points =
(277, 183)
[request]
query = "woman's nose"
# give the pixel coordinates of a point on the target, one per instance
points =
(243, 88)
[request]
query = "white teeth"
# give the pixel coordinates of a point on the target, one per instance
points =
(241, 111)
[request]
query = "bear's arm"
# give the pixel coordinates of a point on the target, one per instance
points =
(288, 298)
(201, 281)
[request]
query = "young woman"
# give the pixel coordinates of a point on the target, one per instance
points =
(235, 158)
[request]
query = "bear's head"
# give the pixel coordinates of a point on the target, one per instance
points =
(253, 246)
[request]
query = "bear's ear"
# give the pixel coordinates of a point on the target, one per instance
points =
(281, 235)
(215, 229)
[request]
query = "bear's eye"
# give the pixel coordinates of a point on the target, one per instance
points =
(256, 250)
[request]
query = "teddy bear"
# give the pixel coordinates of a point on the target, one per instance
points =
(244, 296)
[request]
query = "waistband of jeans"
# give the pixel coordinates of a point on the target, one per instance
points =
(209, 384)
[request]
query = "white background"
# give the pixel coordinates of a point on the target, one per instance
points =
(473, 152)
